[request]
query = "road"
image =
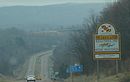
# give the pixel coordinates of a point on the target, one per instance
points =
(31, 66)
(44, 61)
(45, 66)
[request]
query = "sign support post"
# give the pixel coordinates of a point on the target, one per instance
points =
(98, 71)
(71, 77)
(116, 66)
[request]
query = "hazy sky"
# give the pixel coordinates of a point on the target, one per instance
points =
(46, 2)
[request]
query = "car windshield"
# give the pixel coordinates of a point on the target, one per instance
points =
(31, 76)
(64, 40)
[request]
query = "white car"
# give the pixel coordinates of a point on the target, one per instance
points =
(31, 78)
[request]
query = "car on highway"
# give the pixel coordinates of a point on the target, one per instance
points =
(30, 78)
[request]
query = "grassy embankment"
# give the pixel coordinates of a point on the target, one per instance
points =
(121, 77)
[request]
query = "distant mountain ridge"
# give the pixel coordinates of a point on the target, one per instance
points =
(47, 16)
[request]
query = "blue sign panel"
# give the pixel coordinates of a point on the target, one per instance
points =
(75, 69)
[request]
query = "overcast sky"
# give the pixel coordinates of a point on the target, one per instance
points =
(47, 2)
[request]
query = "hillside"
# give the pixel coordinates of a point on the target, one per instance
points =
(47, 16)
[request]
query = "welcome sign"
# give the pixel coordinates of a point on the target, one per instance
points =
(106, 43)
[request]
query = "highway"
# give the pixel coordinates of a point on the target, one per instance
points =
(45, 66)
(44, 61)
(31, 66)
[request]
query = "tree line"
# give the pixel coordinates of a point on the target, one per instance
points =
(79, 46)
(16, 46)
